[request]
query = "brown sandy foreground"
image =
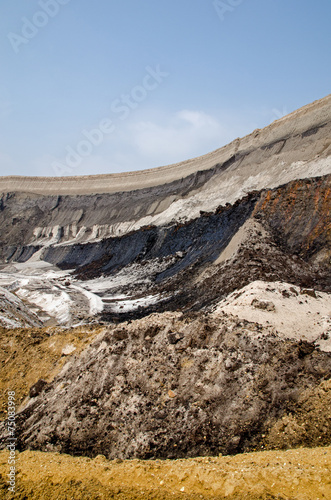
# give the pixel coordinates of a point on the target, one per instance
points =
(294, 474)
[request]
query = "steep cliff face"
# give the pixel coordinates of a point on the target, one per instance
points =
(35, 219)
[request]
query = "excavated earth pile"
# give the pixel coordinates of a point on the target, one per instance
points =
(170, 386)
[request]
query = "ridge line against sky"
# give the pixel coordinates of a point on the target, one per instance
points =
(103, 88)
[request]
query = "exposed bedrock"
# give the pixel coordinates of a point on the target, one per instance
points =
(29, 218)
(299, 215)
(204, 236)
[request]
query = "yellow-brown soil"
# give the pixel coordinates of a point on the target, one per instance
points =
(44, 346)
(308, 423)
(302, 474)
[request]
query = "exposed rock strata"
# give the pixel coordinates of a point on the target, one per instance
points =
(190, 265)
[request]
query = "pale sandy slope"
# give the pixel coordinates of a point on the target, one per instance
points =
(293, 312)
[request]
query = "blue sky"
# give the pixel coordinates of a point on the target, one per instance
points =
(109, 86)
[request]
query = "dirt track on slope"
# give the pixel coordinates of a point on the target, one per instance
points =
(296, 474)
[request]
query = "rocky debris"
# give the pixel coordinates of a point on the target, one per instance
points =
(215, 288)
(309, 292)
(306, 422)
(37, 388)
(202, 276)
(188, 265)
(68, 349)
(14, 313)
(263, 304)
(298, 215)
(257, 257)
(134, 394)
(205, 236)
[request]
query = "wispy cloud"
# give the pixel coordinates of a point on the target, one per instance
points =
(151, 138)
(180, 136)
(155, 138)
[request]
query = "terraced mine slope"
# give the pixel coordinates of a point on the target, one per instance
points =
(179, 312)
